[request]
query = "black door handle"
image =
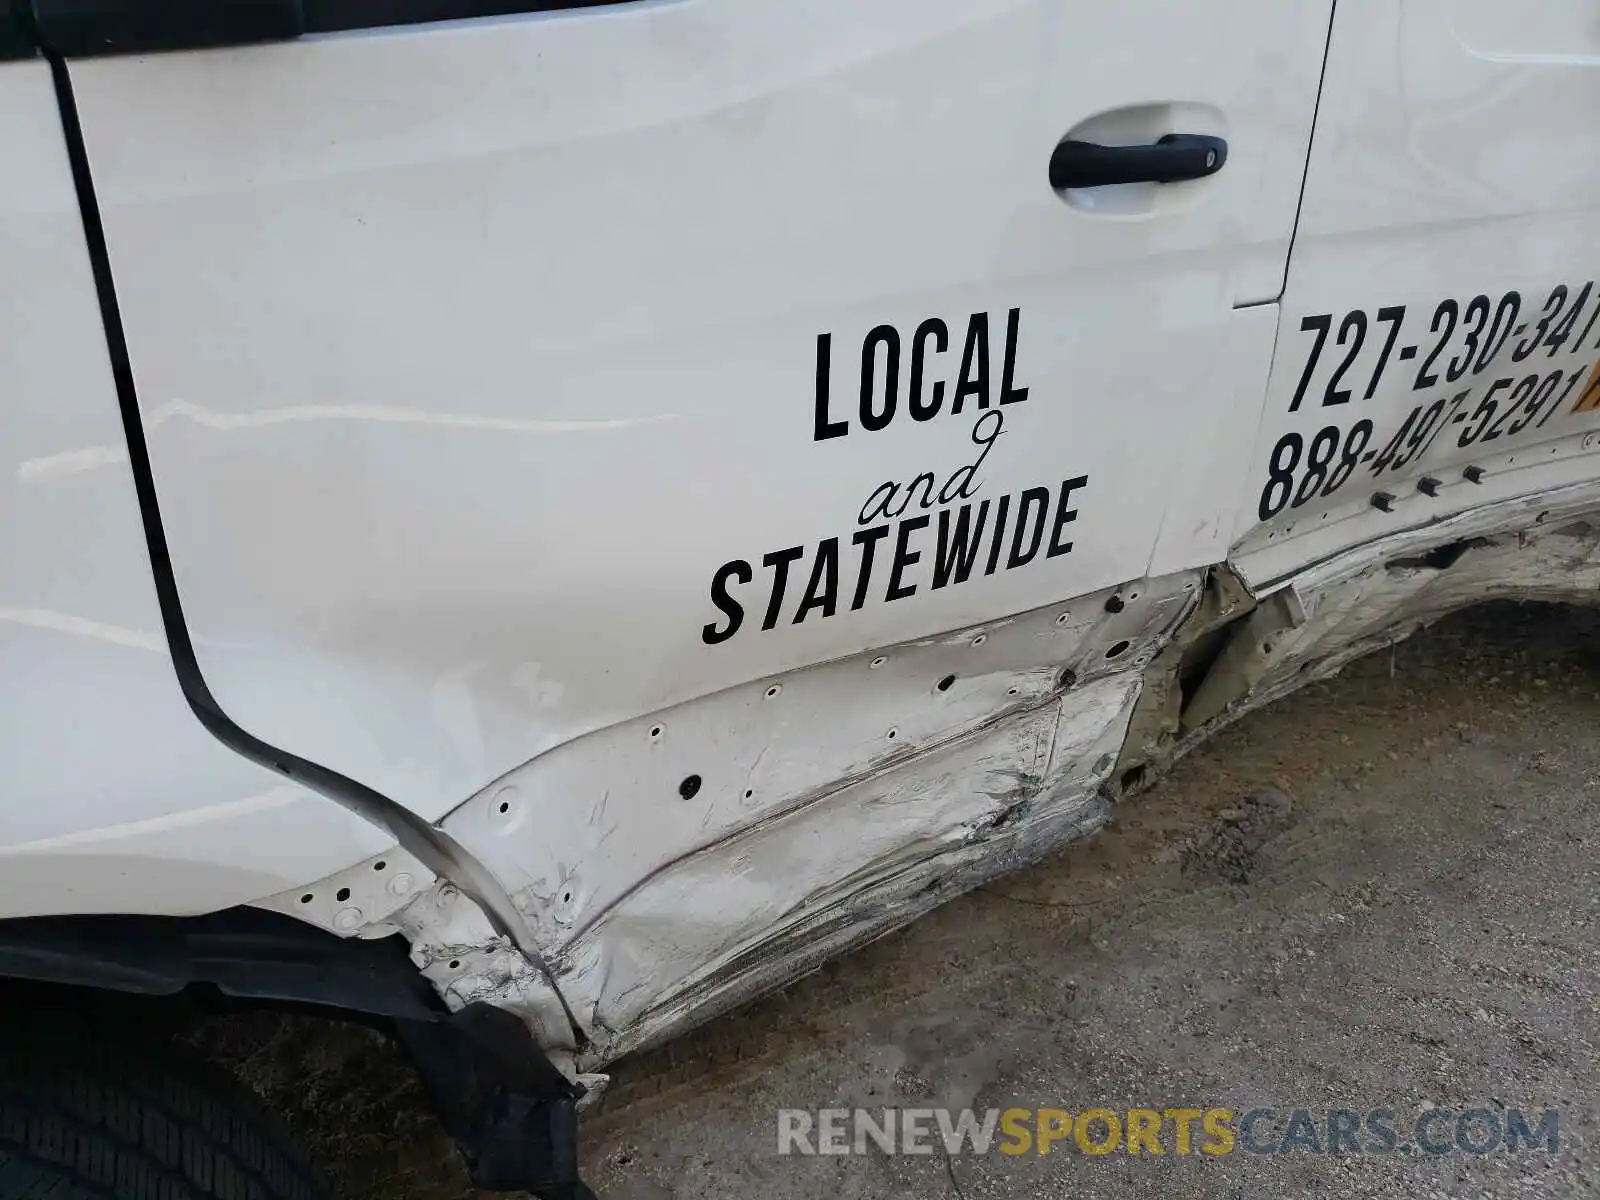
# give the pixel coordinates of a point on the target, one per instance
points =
(1176, 156)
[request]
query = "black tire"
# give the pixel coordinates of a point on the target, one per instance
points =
(87, 1115)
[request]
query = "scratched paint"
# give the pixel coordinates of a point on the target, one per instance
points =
(832, 804)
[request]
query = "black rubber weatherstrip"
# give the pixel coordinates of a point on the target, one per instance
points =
(14, 40)
(325, 16)
(77, 28)
(432, 846)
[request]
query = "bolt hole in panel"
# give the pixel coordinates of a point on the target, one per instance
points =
(983, 802)
(742, 775)
(360, 899)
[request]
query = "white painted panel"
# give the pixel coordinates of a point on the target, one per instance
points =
(669, 863)
(1202, 487)
(1455, 174)
(471, 353)
(573, 832)
(114, 799)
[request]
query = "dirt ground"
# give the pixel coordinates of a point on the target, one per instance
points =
(1379, 893)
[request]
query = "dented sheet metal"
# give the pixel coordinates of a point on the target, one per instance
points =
(676, 865)
(845, 865)
(1539, 547)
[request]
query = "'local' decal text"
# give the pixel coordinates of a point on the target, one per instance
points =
(926, 533)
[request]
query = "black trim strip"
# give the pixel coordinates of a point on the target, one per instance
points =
(14, 39)
(82, 28)
(437, 850)
(1311, 146)
(76, 28)
(329, 16)
(244, 953)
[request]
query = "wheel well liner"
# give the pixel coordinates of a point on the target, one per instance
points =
(513, 1114)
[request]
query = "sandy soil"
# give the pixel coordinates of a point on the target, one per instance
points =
(1379, 893)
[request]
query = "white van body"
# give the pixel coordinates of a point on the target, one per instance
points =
(641, 497)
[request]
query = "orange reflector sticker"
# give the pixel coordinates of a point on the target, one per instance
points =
(1589, 398)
